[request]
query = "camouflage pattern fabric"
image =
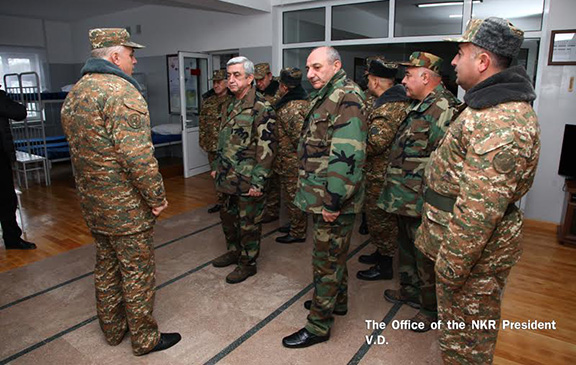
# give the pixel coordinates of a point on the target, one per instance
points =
(418, 135)
(111, 37)
(125, 278)
(486, 162)
(272, 193)
(209, 121)
(107, 125)
(297, 218)
(424, 59)
(331, 244)
(332, 149)
(241, 217)
(383, 122)
(289, 122)
(417, 278)
(246, 145)
(480, 301)
(211, 157)
(272, 92)
(261, 70)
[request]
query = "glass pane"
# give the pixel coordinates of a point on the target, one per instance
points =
(366, 20)
(427, 17)
(526, 16)
(297, 58)
(304, 25)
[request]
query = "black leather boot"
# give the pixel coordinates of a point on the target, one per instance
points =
(381, 271)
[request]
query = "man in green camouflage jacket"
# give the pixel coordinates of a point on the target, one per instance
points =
(106, 122)
(419, 134)
(388, 111)
(330, 186)
(246, 149)
(209, 120)
(487, 162)
(291, 110)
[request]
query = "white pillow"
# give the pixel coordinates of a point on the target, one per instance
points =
(166, 129)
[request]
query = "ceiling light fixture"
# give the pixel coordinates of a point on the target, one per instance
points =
(446, 3)
(455, 16)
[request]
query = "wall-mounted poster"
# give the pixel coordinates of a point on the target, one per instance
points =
(191, 74)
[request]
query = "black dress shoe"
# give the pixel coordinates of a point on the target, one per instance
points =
(167, 340)
(216, 208)
(371, 259)
(285, 228)
(363, 230)
(303, 338)
(20, 245)
(308, 305)
(289, 239)
(375, 273)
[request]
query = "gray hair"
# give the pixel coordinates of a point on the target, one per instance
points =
(332, 54)
(105, 52)
(248, 65)
(431, 74)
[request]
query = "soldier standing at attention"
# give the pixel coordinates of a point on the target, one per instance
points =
(209, 124)
(291, 110)
(270, 89)
(246, 149)
(106, 122)
(419, 134)
(330, 187)
(388, 111)
(486, 163)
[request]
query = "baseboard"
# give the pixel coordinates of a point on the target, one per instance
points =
(541, 225)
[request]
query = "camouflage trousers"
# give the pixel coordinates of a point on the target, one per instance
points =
(331, 243)
(212, 157)
(298, 218)
(417, 277)
(382, 225)
(124, 278)
(478, 299)
(272, 193)
(241, 221)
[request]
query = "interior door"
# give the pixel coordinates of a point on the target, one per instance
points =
(194, 70)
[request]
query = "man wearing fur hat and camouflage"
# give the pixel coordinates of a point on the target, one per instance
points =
(291, 111)
(387, 112)
(106, 122)
(209, 120)
(419, 134)
(487, 162)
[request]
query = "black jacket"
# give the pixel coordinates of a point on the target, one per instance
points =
(9, 109)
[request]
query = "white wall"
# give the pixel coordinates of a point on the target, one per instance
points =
(555, 107)
(166, 30)
(59, 42)
(16, 31)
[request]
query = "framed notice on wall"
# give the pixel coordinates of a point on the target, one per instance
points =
(173, 84)
(562, 47)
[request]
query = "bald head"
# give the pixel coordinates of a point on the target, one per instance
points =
(322, 64)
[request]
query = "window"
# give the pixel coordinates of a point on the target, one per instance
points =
(527, 17)
(304, 25)
(18, 60)
(428, 17)
(357, 21)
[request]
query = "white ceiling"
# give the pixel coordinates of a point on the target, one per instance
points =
(73, 10)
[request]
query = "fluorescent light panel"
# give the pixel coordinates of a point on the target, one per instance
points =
(447, 3)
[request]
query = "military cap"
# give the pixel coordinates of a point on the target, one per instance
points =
(496, 35)
(291, 76)
(218, 75)
(261, 70)
(424, 59)
(110, 37)
(380, 68)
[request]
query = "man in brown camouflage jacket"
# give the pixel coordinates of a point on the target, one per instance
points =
(106, 122)
(209, 120)
(486, 162)
(388, 111)
(291, 110)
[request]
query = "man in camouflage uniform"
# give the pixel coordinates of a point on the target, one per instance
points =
(388, 111)
(121, 192)
(330, 187)
(419, 134)
(246, 149)
(270, 89)
(487, 162)
(291, 110)
(209, 124)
